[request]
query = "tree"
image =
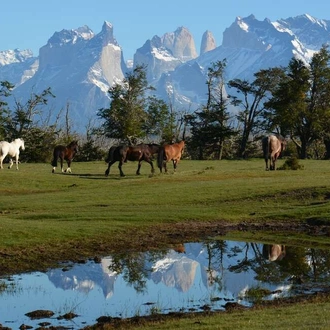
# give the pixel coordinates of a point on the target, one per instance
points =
(209, 126)
(23, 122)
(300, 105)
(131, 112)
(20, 120)
(5, 91)
(252, 98)
(159, 119)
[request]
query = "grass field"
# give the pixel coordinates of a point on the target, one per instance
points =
(46, 218)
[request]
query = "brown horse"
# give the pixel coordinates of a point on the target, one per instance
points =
(272, 146)
(170, 152)
(273, 252)
(64, 153)
(124, 153)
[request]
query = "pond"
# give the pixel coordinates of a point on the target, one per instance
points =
(190, 277)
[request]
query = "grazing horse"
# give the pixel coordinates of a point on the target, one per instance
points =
(124, 153)
(170, 152)
(64, 153)
(12, 150)
(273, 252)
(272, 146)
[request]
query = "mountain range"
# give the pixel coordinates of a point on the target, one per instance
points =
(80, 65)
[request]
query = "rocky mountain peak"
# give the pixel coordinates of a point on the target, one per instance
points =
(181, 43)
(208, 42)
(69, 37)
(106, 34)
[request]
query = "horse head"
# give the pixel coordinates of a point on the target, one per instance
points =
(20, 143)
(74, 146)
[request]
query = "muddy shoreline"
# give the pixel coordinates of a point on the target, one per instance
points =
(40, 258)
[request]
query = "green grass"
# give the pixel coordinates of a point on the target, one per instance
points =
(303, 316)
(37, 206)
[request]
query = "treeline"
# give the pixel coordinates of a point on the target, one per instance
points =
(293, 101)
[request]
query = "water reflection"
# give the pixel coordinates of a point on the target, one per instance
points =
(186, 278)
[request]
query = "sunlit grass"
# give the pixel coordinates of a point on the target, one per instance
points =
(40, 210)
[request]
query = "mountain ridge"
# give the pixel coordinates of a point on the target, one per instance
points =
(80, 66)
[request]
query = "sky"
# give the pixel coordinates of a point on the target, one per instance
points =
(29, 24)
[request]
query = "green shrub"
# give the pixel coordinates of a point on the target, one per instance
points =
(291, 163)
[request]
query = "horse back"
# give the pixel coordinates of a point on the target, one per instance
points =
(140, 152)
(174, 151)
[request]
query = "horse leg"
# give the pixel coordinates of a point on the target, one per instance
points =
(165, 166)
(120, 170)
(10, 163)
(61, 159)
(139, 167)
(54, 166)
(174, 164)
(272, 163)
(266, 162)
(152, 165)
(1, 161)
(17, 156)
(108, 169)
(68, 170)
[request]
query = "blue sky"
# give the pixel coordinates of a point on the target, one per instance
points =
(29, 24)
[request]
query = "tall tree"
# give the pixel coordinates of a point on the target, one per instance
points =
(131, 111)
(209, 126)
(251, 98)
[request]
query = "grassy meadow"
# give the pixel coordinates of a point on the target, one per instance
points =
(46, 218)
(38, 208)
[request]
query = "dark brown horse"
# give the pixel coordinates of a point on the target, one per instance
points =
(272, 146)
(170, 152)
(153, 148)
(124, 153)
(64, 153)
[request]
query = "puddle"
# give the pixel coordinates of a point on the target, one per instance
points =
(197, 276)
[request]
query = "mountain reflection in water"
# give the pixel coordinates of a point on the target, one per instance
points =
(127, 285)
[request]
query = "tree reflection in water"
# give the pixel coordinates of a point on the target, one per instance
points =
(182, 278)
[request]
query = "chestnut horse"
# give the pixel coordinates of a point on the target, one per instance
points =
(272, 146)
(64, 153)
(170, 152)
(124, 153)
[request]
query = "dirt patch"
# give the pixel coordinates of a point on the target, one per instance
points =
(41, 258)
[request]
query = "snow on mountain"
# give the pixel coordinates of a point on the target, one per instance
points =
(248, 46)
(17, 66)
(80, 66)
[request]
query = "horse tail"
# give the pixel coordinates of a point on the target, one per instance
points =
(110, 154)
(265, 147)
(55, 157)
(160, 157)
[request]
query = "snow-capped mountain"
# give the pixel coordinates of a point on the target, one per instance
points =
(80, 66)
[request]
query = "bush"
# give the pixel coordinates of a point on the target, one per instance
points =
(291, 163)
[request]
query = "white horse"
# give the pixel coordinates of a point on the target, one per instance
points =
(12, 150)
